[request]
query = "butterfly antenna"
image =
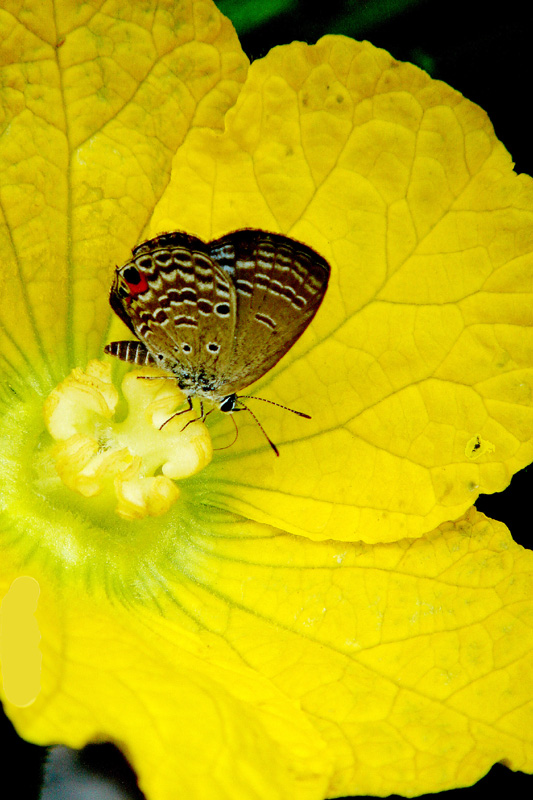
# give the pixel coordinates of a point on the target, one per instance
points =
(236, 436)
(272, 403)
(271, 443)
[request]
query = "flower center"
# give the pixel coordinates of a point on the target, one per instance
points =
(136, 459)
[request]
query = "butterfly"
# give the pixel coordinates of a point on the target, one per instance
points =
(217, 315)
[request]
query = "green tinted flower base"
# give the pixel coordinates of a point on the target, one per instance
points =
(47, 525)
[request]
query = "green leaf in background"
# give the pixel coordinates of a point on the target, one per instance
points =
(250, 14)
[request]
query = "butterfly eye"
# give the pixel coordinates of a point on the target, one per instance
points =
(228, 403)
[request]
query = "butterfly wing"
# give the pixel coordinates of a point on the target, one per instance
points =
(180, 304)
(279, 285)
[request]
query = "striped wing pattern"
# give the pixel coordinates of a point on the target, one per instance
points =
(217, 315)
(280, 284)
(180, 305)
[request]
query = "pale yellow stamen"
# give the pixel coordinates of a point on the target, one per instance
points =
(134, 459)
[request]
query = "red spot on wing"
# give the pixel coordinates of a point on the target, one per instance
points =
(138, 288)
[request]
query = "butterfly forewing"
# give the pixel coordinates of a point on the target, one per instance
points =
(280, 284)
(179, 303)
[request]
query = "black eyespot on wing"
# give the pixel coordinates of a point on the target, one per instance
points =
(132, 275)
(222, 309)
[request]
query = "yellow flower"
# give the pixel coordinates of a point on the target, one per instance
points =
(307, 626)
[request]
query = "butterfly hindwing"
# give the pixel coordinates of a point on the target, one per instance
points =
(280, 284)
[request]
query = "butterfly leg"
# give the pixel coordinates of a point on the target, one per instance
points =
(202, 416)
(177, 414)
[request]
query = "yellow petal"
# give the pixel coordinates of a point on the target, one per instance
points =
(20, 655)
(279, 667)
(111, 92)
(424, 342)
(227, 656)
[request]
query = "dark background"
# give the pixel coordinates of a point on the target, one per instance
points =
(484, 52)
